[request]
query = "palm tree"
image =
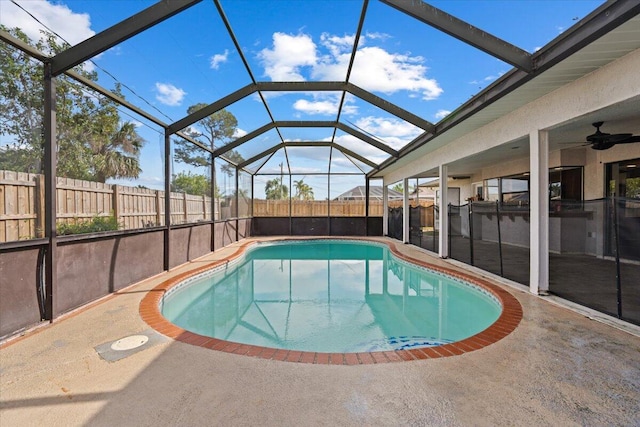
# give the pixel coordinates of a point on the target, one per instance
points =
(303, 190)
(117, 155)
(275, 190)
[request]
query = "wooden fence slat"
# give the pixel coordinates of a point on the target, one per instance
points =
(115, 204)
(159, 206)
(22, 207)
(10, 209)
(39, 205)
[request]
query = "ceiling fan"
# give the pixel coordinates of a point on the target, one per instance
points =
(603, 141)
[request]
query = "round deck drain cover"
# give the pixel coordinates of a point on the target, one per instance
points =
(129, 343)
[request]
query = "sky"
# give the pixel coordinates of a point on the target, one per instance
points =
(190, 58)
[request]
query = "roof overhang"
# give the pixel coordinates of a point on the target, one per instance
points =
(606, 35)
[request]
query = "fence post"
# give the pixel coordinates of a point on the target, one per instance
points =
(158, 209)
(499, 236)
(184, 203)
(616, 236)
(204, 207)
(449, 229)
(471, 231)
(115, 203)
(433, 222)
(39, 204)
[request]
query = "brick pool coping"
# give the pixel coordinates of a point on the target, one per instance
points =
(506, 323)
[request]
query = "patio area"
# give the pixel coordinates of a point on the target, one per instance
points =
(559, 367)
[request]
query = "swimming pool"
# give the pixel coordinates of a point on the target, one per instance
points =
(329, 296)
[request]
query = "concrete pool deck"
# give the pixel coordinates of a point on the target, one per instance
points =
(558, 367)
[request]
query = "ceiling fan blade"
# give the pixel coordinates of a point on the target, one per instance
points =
(630, 139)
(608, 138)
(616, 138)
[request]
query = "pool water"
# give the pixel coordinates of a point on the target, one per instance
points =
(329, 296)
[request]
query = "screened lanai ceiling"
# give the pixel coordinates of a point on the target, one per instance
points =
(316, 87)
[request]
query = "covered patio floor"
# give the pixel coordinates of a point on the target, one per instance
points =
(559, 367)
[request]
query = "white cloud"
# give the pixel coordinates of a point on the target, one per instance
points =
(362, 148)
(327, 104)
(294, 57)
(337, 45)
(384, 127)
(379, 70)
(377, 36)
(394, 132)
(487, 78)
(219, 58)
(349, 110)
(73, 27)
(441, 114)
(316, 107)
(239, 133)
(289, 54)
(168, 94)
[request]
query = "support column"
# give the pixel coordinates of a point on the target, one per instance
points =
(405, 210)
(237, 200)
(167, 197)
(214, 201)
(251, 211)
(50, 178)
(443, 242)
(539, 205)
(366, 207)
(385, 210)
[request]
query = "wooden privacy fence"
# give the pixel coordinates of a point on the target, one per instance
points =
(300, 208)
(22, 205)
(22, 209)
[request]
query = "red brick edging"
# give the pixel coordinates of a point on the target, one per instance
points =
(506, 323)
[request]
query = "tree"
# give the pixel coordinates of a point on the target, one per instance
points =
(276, 190)
(22, 159)
(216, 129)
(189, 183)
(92, 141)
(21, 106)
(235, 157)
(196, 184)
(303, 190)
(400, 188)
(116, 156)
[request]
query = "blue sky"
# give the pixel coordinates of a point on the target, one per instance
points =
(191, 59)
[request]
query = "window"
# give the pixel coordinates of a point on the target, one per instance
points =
(492, 189)
(478, 191)
(624, 179)
(515, 190)
(565, 183)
